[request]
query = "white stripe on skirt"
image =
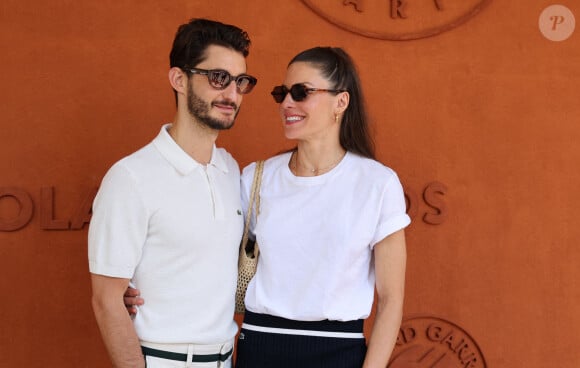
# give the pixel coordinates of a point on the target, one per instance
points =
(288, 331)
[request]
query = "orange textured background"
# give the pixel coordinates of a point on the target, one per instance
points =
(490, 109)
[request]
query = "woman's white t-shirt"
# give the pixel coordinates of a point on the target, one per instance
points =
(316, 237)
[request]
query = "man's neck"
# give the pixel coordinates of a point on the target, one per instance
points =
(196, 139)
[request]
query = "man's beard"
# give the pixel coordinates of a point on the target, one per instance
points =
(199, 110)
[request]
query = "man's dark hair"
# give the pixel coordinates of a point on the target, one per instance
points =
(192, 40)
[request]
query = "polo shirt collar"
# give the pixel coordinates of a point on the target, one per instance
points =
(179, 159)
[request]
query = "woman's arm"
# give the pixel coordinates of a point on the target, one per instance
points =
(390, 263)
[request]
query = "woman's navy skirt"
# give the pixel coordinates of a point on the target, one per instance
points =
(272, 342)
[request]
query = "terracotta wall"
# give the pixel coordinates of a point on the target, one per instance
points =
(485, 115)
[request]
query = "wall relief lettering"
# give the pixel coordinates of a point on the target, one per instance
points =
(397, 19)
(17, 207)
(432, 197)
(22, 208)
(432, 342)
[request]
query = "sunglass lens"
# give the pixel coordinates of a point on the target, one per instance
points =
(279, 93)
(245, 83)
(298, 92)
(219, 79)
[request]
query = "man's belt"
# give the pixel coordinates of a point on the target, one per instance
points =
(196, 358)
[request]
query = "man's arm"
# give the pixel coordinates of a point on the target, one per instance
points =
(115, 323)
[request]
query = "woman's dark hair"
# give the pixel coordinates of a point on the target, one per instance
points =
(337, 66)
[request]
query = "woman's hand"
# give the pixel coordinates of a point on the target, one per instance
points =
(132, 300)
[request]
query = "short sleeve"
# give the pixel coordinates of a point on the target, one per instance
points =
(392, 215)
(118, 226)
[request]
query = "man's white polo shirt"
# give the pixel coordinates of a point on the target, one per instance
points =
(172, 226)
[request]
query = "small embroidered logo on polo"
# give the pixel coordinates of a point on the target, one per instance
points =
(239, 213)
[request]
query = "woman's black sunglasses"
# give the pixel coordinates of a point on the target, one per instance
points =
(299, 92)
(221, 79)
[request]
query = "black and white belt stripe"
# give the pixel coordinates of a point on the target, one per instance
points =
(196, 358)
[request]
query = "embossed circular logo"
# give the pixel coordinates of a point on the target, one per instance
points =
(397, 19)
(432, 342)
(557, 23)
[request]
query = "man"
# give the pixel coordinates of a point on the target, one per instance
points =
(168, 218)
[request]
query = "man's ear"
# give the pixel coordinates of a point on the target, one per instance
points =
(178, 80)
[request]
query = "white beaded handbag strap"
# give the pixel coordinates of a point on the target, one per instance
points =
(254, 201)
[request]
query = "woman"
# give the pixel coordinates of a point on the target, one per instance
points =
(330, 230)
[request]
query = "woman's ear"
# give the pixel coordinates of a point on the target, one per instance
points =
(178, 80)
(342, 102)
